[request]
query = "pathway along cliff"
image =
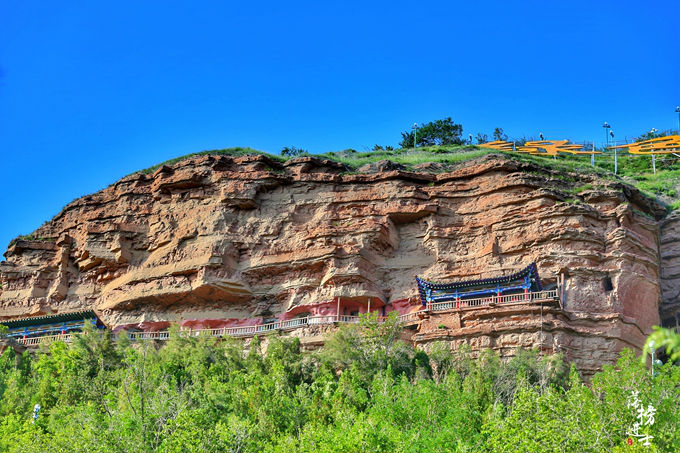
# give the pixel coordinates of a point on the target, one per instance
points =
(222, 241)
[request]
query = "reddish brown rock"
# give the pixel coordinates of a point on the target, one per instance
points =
(248, 237)
(669, 230)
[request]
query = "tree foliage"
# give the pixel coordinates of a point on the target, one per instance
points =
(664, 339)
(498, 134)
(365, 391)
(655, 134)
(434, 133)
(291, 151)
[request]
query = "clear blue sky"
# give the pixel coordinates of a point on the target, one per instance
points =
(92, 91)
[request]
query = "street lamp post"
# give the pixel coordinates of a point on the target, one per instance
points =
(606, 127)
(415, 135)
(677, 110)
(657, 362)
(651, 133)
(592, 155)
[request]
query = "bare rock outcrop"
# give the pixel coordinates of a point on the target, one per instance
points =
(234, 238)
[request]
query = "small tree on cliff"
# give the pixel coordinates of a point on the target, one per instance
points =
(499, 135)
(291, 151)
(654, 134)
(439, 132)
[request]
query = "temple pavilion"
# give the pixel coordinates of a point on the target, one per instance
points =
(510, 287)
(48, 325)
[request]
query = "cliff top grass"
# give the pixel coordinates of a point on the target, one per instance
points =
(408, 157)
(663, 186)
(234, 151)
(352, 158)
(634, 170)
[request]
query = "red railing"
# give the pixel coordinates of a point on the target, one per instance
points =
(509, 299)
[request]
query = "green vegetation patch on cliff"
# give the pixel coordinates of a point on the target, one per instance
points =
(633, 170)
(408, 157)
(365, 391)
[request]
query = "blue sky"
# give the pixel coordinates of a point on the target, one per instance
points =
(92, 91)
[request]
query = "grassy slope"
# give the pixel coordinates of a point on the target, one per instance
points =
(408, 157)
(635, 170)
(237, 151)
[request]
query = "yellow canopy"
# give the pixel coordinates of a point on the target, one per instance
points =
(553, 147)
(660, 145)
(498, 144)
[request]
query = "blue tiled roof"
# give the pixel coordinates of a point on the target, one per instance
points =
(530, 271)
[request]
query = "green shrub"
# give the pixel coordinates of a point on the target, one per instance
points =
(365, 391)
(582, 188)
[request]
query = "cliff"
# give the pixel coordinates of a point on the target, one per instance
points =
(220, 240)
(669, 231)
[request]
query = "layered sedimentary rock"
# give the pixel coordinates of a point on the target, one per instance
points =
(669, 231)
(237, 239)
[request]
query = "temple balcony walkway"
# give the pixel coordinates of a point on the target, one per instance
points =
(409, 320)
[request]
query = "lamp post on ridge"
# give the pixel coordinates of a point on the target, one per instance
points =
(651, 133)
(652, 349)
(606, 127)
(415, 135)
(677, 110)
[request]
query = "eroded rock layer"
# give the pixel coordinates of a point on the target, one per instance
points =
(669, 230)
(236, 238)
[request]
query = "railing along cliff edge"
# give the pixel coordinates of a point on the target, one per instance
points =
(249, 331)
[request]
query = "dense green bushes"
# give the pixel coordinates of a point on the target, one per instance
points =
(366, 391)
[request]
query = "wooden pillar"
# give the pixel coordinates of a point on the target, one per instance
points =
(369, 305)
(561, 290)
(337, 312)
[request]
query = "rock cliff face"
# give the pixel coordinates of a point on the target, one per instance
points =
(218, 240)
(669, 230)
